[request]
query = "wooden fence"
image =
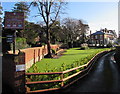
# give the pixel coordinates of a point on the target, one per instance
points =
(87, 67)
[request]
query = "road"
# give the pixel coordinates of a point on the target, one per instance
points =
(104, 77)
(0, 74)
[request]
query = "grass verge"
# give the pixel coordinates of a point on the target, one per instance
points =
(72, 58)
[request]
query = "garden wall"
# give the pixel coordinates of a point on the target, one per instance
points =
(32, 55)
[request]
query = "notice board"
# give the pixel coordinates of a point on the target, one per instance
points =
(14, 20)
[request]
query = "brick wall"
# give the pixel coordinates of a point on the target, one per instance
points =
(12, 81)
(32, 55)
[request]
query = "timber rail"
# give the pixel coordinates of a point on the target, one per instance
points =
(87, 67)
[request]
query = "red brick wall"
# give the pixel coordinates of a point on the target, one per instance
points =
(35, 54)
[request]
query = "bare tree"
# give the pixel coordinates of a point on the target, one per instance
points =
(75, 29)
(49, 10)
(84, 28)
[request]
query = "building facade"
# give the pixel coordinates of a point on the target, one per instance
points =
(102, 38)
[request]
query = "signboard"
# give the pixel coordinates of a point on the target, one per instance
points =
(14, 20)
(9, 38)
(20, 67)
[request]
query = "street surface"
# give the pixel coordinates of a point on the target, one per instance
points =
(104, 77)
(0, 74)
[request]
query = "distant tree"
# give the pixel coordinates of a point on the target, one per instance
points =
(0, 28)
(84, 29)
(0, 17)
(55, 32)
(0, 9)
(49, 10)
(22, 7)
(31, 32)
(74, 30)
(70, 30)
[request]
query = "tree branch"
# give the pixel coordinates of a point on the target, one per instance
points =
(42, 11)
(56, 15)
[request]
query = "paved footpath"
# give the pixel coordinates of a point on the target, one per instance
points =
(104, 77)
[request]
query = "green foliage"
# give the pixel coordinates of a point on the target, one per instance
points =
(53, 51)
(1, 9)
(0, 17)
(22, 7)
(21, 43)
(71, 59)
(109, 44)
(23, 40)
(31, 32)
(84, 46)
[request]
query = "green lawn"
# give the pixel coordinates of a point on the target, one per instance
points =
(72, 58)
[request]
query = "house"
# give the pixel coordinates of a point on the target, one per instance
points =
(103, 37)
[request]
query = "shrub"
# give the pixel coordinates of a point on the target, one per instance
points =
(21, 43)
(53, 51)
(64, 46)
(64, 66)
(84, 46)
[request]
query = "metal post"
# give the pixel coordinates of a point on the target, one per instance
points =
(14, 41)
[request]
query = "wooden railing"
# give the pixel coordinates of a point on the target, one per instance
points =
(87, 67)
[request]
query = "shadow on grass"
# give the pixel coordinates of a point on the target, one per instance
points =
(91, 48)
(76, 54)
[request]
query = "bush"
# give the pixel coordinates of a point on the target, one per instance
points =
(21, 43)
(64, 46)
(84, 46)
(53, 51)
(109, 44)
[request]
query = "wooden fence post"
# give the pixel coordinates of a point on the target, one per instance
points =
(61, 77)
(38, 54)
(34, 56)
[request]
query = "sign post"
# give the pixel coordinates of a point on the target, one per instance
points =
(16, 70)
(14, 21)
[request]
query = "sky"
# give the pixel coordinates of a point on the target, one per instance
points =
(96, 14)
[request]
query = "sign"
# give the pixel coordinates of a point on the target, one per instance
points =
(14, 20)
(9, 38)
(20, 67)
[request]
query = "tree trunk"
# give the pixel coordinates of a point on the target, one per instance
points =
(48, 35)
(48, 44)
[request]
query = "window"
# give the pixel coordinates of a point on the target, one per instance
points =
(96, 36)
(101, 37)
